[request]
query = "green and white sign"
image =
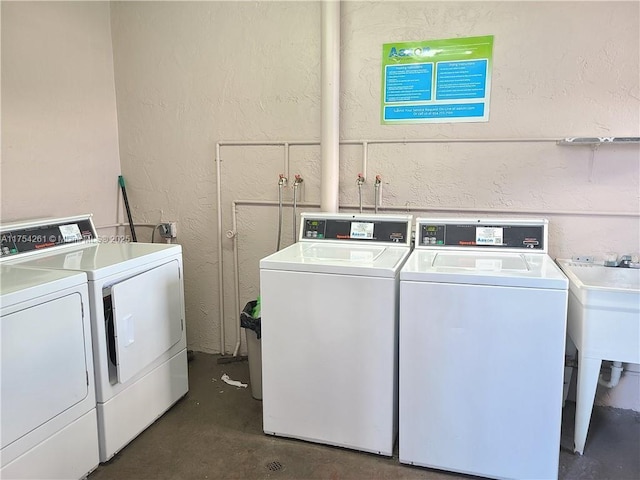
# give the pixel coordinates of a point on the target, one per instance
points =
(437, 81)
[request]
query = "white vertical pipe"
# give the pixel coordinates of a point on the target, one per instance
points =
(365, 159)
(286, 159)
(236, 276)
(220, 240)
(330, 138)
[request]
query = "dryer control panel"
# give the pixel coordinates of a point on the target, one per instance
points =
(363, 228)
(520, 234)
(40, 235)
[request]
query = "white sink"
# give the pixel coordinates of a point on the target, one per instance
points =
(604, 324)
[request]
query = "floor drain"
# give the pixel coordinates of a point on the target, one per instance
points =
(275, 466)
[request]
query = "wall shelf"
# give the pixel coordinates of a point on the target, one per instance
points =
(597, 141)
(594, 143)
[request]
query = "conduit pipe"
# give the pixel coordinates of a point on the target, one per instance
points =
(359, 182)
(120, 225)
(236, 277)
(376, 192)
(365, 144)
(286, 159)
(282, 182)
(296, 183)
(275, 143)
(220, 240)
(330, 122)
(233, 234)
(616, 372)
(270, 203)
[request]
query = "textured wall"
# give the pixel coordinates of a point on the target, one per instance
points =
(59, 126)
(191, 74)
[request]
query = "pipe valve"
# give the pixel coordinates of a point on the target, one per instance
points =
(298, 180)
(282, 180)
(360, 179)
(378, 179)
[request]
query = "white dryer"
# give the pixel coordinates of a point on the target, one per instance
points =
(483, 312)
(137, 321)
(329, 331)
(48, 426)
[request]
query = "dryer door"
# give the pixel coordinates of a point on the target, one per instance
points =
(148, 320)
(44, 363)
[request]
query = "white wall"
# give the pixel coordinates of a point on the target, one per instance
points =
(59, 126)
(191, 74)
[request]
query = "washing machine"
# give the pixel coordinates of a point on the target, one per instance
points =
(604, 308)
(136, 304)
(483, 312)
(329, 331)
(48, 426)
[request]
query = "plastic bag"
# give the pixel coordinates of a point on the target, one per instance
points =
(247, 320)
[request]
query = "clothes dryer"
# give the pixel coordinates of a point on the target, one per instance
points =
(482, 336)
(48, 426)
(136, 304)
(329, 331)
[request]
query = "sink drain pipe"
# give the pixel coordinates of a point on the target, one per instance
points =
(616, 372)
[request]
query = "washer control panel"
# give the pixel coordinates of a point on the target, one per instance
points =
(363, 228)
(481, 234)
(15, 240)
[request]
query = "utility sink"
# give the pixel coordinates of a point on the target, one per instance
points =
(604, 324)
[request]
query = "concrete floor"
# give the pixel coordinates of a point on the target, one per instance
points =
(215, 432)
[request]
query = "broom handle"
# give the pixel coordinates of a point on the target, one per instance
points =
(126, 206)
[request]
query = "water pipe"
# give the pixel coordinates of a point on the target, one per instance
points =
(282, 182)
(220, 240)
(376, 188)
(298, 180)
(365, 147)
(616, 372)
(236, 278)
(359, 182)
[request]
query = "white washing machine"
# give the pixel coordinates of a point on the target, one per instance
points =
(48, 426)
(329, 331)
(603, 324)
(137, 320)
(483, 312)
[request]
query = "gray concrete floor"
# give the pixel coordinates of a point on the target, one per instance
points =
(215, 432)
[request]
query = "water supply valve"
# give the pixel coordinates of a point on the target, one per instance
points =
(378, 180)
(282, 180)
(298, 180)
(360, 179)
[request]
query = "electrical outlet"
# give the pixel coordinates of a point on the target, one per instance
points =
(169, 230)
(583, 258)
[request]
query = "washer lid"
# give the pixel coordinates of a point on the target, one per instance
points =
(480, 268)
(99, 260)
(351, 259)
(20, 284)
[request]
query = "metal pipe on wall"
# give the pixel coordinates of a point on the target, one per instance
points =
(365, 147)
(236, 278)
(220, 277)
(270, 203)
(330, 144)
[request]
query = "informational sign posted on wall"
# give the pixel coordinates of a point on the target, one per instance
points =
(438, 81)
